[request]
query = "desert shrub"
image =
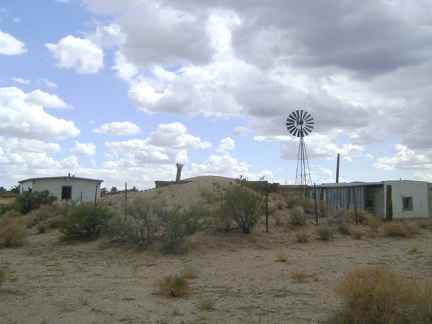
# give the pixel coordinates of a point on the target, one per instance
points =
(298, 216)
(374, 224)
(2, 274)
(43, 213)
(173, 285)
(242, 205)
(357, 234)
(344, 228)
(206, 303)
(189, 272)
(29, 201)
(147, 217)
(325, 233)
(299, 276)
(308, 204)
(400, 228)
(303, 236)
(378, 295)
(182, 223)
(281, 255)
(84, 220)
(277, 218)
(12, 233)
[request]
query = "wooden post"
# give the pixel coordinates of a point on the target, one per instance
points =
(316, 207)
(267, 214)
(389, 204)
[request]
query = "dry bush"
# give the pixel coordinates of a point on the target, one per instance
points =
(281, 255)
(43, 213)
(2, 274)
(357, 234)
(374, 224)
(308, 204)
(173, 285)
(190, 272)
(400, 228)
(206, 303)
(378, 295)
(325, 233)
(303, 236)
(298, 216)
(299, 276)
(277, 218)
(12, 233)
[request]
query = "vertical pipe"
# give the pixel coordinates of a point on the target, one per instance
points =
(337, 168)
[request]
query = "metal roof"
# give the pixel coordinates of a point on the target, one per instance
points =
(60, 178)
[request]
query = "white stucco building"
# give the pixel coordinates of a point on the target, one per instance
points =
(66, 188)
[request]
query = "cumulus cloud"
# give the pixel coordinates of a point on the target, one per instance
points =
(9, 45)
(47, 100)
(118, 129)
(21, 118)
(405, 158)
(77, 53)
(20, 80)
(86, 149)
(225, 145)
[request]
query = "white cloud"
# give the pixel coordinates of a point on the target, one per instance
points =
(225, 145)
(86, 149)
(118, 129)
(221, 164)
(20, 80)
(125, 70)
(404, 158)
(47, 100)
(77, 53)
(9, 45)
(21, 118)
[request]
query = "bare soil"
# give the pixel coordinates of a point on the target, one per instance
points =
(52, 281)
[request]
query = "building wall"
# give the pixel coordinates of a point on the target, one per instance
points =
(418, 191)
(84, 190)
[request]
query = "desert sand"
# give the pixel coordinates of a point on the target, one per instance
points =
(53, 281)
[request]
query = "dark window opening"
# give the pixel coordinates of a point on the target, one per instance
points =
(66, 192)
(407, 203)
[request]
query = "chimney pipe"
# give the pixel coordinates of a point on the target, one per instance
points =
(337, 168)
(179, 168)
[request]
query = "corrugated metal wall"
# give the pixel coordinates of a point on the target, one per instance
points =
(342, 197)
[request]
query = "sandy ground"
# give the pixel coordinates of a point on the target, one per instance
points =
(51, 281)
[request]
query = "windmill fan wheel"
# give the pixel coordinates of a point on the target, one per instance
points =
(300, 123)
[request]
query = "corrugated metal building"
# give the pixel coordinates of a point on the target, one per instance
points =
(386, 199)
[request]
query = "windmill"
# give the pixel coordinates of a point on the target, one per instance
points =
(300, 123)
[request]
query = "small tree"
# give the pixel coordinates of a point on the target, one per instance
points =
(243, 205)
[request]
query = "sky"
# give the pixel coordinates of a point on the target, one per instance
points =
(123, 90)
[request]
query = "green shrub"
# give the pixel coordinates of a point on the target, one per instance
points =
(182, 223)
(298, 216)
(84, 220)
(146, 217)
(400, 228)
(12, 233)
(242, 205)
(325, 233)
(29, 201)
(173, 285)
(378, 295)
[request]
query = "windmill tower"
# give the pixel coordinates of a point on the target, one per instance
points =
(300, 123)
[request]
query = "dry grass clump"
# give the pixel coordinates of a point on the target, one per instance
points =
(325, 233)
(400, 228)
(173, 285)
(303, 236)
(378, 295)
(2, 274)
